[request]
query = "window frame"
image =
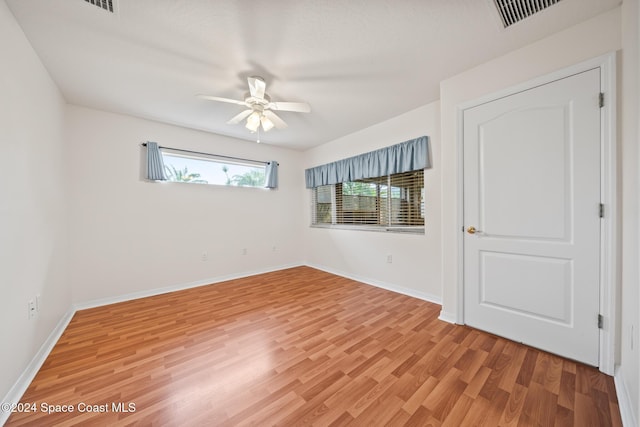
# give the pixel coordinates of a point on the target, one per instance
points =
(335, 192)
(212, 159)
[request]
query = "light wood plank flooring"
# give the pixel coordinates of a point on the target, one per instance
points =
(303, 347)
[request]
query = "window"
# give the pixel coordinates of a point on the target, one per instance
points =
(389, 203)
(381, 190)
(203, 169)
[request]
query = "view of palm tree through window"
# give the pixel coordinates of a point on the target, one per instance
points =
(204, 170)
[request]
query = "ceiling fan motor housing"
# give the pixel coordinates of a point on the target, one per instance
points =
(255, 102)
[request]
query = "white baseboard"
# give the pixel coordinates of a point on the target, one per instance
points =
(173, 288)
(447, 317)
(379, 284)
(624, 402)
(20, 386)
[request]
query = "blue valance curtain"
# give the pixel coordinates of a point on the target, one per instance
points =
(404, 157)
(155, 165)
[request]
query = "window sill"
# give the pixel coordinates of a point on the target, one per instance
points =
(206, 184)
(400, 230)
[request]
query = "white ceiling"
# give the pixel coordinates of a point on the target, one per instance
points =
(356, 62)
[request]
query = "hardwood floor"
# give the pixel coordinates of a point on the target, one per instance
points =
(303, 347)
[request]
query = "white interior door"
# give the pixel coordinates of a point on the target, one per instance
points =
(532, 193)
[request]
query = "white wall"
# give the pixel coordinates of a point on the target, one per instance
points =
(590, 39)
(33, 228)
(130, 235)
(629, 370)
(581, 42)
(363, 254)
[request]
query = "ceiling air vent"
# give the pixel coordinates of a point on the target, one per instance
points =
(512, 11)
(102, 4)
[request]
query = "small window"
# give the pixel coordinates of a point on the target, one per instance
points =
(202, 169)
(387, 203)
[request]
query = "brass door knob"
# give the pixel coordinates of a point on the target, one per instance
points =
(472, 230)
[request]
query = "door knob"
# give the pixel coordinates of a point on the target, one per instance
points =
(472, 230)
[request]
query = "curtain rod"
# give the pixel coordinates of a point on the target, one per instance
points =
(144, 144)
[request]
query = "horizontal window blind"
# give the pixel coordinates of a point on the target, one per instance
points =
(387, 202)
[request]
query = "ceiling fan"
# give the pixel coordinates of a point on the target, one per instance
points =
(260, 108)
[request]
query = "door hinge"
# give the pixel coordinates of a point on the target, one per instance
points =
(601, 99)
(601, 210)
(600, 321)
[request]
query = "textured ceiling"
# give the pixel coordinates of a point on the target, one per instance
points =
(356, 62)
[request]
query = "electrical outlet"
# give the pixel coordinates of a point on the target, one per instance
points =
(204, 256)
(389, 259)
(244, 251)
(273, 249)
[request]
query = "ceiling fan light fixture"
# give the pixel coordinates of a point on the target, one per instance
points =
(253, 121)
(267, 124)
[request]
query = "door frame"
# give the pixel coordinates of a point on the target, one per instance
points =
(609, 269)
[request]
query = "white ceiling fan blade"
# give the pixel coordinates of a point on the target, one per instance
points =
(256, 87)
(277, 121)
(239, 117)
(217, 98)
(299, 107)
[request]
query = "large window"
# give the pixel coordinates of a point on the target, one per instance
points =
(388, 203)
(381, 190)
(202, 169)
